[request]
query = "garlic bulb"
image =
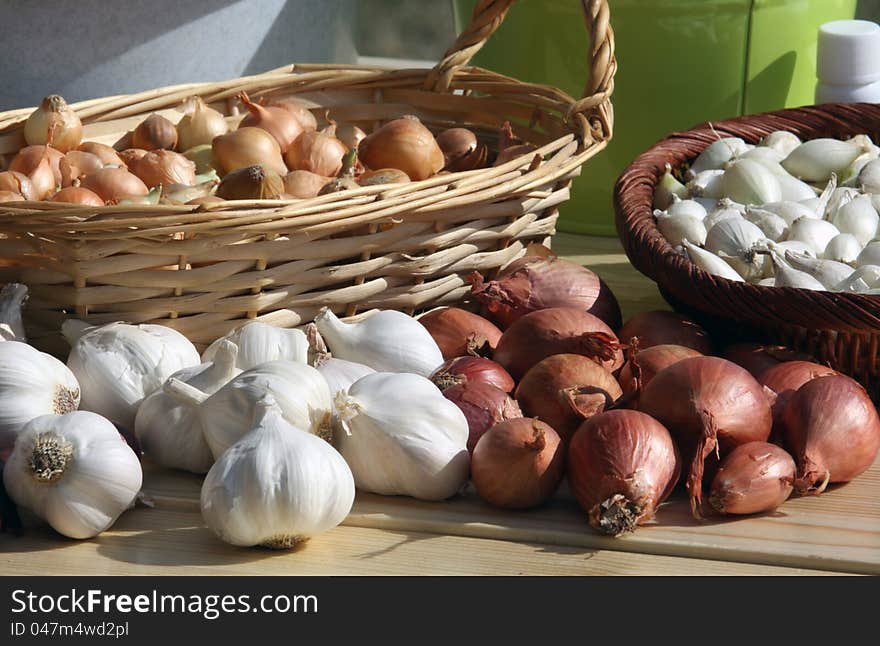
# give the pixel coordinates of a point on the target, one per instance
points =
(816, 233)
(828, 272)
(843, 248)
(773, 227)
(734, 241)
(749, 182)
(259, 342)
(668, 188)
(782, 141)
(676, 228)
(300, 391)
(859, 218)
(788, 276)
(277, 486)
(723, 212)
(708, 183)
(869, 177)
(12, 297)
(75, 471)
(840, 197)
(403, 437)
(32, 383)
(818, 159)
(709, 262)
(340, 375)
(118, 365)
(170, 433)
(690, 208)
(387, 341)
(716, 154)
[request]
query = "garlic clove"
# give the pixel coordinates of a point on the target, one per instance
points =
(788, 276)
(75, 471)
(709, 262)
(340, 375)
(773, 227)
(277, 486)
(828, 272)
(258, 343)
(734, 240)
(818, 159)
(387, 341)
(716, 154)
(12, 297)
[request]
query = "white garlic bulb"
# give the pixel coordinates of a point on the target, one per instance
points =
(828, 272)
(790, 211)
(782, 141)
(734, 240)
(12, 297)
(859, 218)
(750, 182)
(869, 177)
(387, 341)
(277, 486)
(676, 228)
(340, 375)
(118, 365)
(815, 233)
(793, 189)
(818, 159)
(691, 208)
(787, 276)
(843, 248)
(299, 390)
(773, 227)
(707, 183)
(170, 433)
(259, 342)
(32, 383)
(403, 437)
(716, 154)
(709, 262)
(75, 471)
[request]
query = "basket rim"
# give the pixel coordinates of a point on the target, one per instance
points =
(653, 256)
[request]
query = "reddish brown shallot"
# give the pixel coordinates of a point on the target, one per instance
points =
(643, 364)
(755, 477)
(660, 327)
(472, 369)
(483, 405)
(460, 333)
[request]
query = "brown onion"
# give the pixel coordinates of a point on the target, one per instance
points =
(621, 465)
(54, 122)
(130, 155)
(77, 195)
(43, 179)
(153, 133)
(564, 390)
(164, 167)
(251, 183)
(302, 184)
(77, 163)
(350, 135)
(832, 429)
(518, 463)
(461, 150)
(296, 107)
(16, 182)
(484, 406)
(11, 196)
(319, 152)
(638, 373)
(107, 154)
(785, 378)
(461, 370)
(757, 358)
(459, 333)
(661, 327)
(404, 144)
(753, 478)
(247, 147)
(199, 124)
(383, 176)
(276, 120)
(114, 184)
(556, 330)
(28, 159)
(709, 405)
(533, 283)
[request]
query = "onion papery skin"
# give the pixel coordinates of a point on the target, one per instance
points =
(462, 370)
(77, 195)
(518, 464)
(784, 379)
(278, 121)
(28, 159)
(564, 390)
(650, 361)
(556, 330)
(460, 333)
(661, 327)
(621, 465)
(405, 144)
(113, 184)
(831, 428)
(534, 283)
(484, 406)
(755, 477)
(710, 405)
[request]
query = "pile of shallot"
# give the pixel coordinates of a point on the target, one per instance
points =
(782, 213)
(199, 155)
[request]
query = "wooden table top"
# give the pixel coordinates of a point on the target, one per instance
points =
(837, 532)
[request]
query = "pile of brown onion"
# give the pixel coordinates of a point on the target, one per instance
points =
(277, 151)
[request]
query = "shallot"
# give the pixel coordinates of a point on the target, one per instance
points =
(459, 332)
(484, 406)
(660, 327)
(753, 478)
(463, 370)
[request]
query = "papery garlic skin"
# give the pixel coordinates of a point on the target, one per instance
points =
(118, 365)
(12, 297)
(170, 433)
(403, 437)
(387, 341)
(75, 471)
(259, 343)
(300, 391)
(340, 375)
(32, 383)
(277, 486)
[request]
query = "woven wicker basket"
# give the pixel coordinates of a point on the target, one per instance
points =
(841, 329)
(204, 270)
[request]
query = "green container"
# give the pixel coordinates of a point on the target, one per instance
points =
(680, 62)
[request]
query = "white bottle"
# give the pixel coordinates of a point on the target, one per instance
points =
(848, 62)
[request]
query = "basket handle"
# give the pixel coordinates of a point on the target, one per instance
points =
(488, 16)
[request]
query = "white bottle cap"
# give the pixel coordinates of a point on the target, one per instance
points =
(848, 52)
(868, 93)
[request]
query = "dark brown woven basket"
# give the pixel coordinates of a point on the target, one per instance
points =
(840, 329)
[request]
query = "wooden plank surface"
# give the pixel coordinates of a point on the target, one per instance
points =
(838, 531)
